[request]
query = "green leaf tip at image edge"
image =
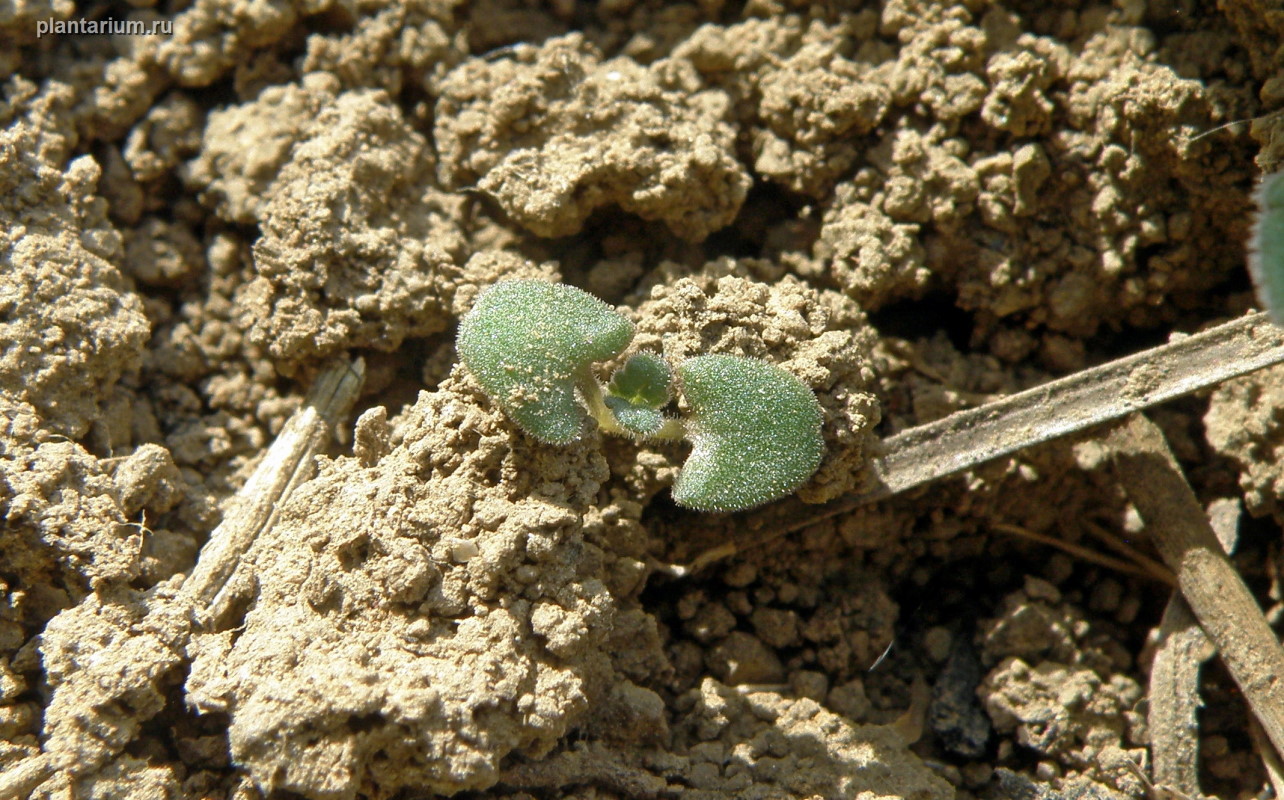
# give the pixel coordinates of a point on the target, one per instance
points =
(756, 433)
(1266, 250)
(529, 343)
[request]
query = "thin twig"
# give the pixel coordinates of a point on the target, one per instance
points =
(288, 462)
(1160, 573)
(1109, 539)
(1270, 758)
(1173, 693)
(1209, 582)
(968, 439)
(1090, 397)
(1173, 717)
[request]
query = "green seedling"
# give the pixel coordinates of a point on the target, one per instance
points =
(755, 429)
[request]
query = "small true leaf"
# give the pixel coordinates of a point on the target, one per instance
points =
(756, 433)
(639, 420)
(644, 380)
(1266, 250)
(529, 342)
(637, 392)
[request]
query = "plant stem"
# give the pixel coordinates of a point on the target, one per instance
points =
(671, 430)
(592, 392)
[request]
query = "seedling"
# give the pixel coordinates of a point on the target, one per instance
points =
(755, 428)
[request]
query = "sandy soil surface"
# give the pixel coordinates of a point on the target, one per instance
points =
(913, 206)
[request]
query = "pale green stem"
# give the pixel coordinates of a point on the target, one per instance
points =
(592, 391)
(671, 430)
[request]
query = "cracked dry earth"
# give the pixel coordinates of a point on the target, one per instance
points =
(913, 206)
